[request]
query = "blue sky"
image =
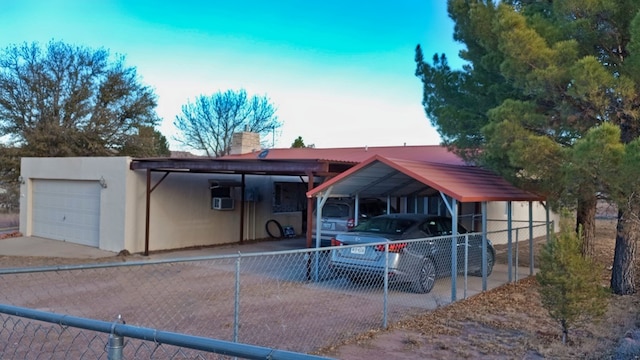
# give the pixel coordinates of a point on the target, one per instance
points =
(339, 72)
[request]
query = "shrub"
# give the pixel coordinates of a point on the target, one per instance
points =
(570, 286)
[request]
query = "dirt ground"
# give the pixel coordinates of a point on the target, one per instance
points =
(508, 323)
(505, 323)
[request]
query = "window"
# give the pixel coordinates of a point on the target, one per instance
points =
(435, 202)
(221, 192)
(289, 196)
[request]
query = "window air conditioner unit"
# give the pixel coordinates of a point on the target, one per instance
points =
(222, 203)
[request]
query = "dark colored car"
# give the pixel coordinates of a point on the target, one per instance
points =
(416, 262)
(338, 216)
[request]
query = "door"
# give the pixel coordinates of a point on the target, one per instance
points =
(67, 210)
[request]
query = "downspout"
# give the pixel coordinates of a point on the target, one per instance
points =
(242, 210)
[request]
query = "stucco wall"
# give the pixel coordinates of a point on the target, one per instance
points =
(114, 171)
(497, 217)
(181, 215)
(180, 209)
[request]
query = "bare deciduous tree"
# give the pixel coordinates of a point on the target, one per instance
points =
(208, 123)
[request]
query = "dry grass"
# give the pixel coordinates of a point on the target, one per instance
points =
(506, 323)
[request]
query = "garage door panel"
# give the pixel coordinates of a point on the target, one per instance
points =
(67, 210)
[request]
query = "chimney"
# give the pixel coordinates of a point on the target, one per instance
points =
(244, 142)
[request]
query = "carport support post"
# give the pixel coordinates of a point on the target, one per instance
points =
(242, 189)
(309, 214)
(146, 220)
(454, 249)
(509, 240)
(530, 238)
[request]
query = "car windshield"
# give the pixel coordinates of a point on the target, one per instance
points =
(385, 225)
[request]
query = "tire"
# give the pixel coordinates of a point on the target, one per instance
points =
(278, 227)
(425, 278)
(356, 279)
(491, 260)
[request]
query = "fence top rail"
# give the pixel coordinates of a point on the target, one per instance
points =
(538, 222)
(218, 257)
(117, 327)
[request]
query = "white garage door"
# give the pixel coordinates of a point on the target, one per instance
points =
(67, 210)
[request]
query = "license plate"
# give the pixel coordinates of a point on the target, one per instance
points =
(358, 250)
(328, 226)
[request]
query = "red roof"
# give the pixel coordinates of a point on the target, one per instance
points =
(406, 170)
(407, 177)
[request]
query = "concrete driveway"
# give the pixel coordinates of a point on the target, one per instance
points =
(37, 246)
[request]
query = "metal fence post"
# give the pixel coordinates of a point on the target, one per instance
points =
(386, 285)
(115, 344)
(530, 239)
(466, 263)
(114, 347)
(236, 307)
(517, 252)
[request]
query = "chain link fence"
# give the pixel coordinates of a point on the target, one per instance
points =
(54, 336)
(298, 300)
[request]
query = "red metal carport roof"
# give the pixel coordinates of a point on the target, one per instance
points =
(382, 176)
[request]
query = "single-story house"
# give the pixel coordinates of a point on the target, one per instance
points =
(150, 204)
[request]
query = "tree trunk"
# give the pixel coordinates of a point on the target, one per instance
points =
(623, 272)
(586, 220)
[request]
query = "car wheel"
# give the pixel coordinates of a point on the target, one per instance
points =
(357, 279)
(426, 277)
(491, 259)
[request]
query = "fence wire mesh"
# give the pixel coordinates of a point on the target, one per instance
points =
(22, 338)
(298, 300)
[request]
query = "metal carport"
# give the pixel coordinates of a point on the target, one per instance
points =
(311, 168)
(381, 176)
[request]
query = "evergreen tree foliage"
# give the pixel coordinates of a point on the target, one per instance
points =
(65, 100)
(538, 76)
(569, 283)
(149, 143)
(298, 143)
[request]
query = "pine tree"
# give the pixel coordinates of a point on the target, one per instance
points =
(569, 282)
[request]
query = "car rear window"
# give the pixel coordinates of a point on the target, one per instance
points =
(385, 225)
(335, 211)
(440, 227)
